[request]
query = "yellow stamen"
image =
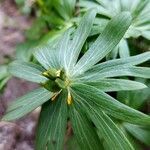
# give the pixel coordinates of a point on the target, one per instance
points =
(69, 99)
(45, 74)
(58, 73)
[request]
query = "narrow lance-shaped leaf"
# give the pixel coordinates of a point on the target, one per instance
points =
(139, 132)
(27, 71)
(47, 56)
(125, 4)
(140, 8)
(89, 5)
(119, 67)
(129, 61)
(83, 129)
(105, 43)
(108, 130)
(4, 81)
(3, 71)
(79, 39)
(69, 5)
(52, 124)
(110, 105)
(108, 85)
(27, 103)
(65, 8)
(146, 34)
(135, 99)
(63, 46)
(143, 72)
(124, 49)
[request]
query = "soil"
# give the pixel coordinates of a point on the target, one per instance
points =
(20, 134)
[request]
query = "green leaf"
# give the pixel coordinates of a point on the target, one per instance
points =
(63, 46)
(65, 8)
(139, 132)
(143, 72)
(124, 49)
(3, 82)
(98, 28)
(125, 5)
(69, 6)
(135, 99)
(27, 71)
(108, 130)
(24, 50)
(140, 7)
(146, 34)
(132, 140)
(110, 105)
(83, 129)
(26, 104)
(105, 43)
(119, 67)
(4, 76)
(113, 54)
(3, 71)
(52, 124)
(108, 85)
(89, 5)
(123, 62)
(47, 56)
(79, 38)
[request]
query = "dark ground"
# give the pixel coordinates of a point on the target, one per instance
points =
(18, 135)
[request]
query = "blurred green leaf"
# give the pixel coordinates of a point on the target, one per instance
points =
(110, 105)
(106, 42)
(108, 85)
(77, 42)
(24, 50)
(27, 71)
(52, 124)
(139, 132)
(136, 98)
(108, 130)
(83, 129)
(24, 105)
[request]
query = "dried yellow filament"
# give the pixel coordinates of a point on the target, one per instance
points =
(55, 95)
